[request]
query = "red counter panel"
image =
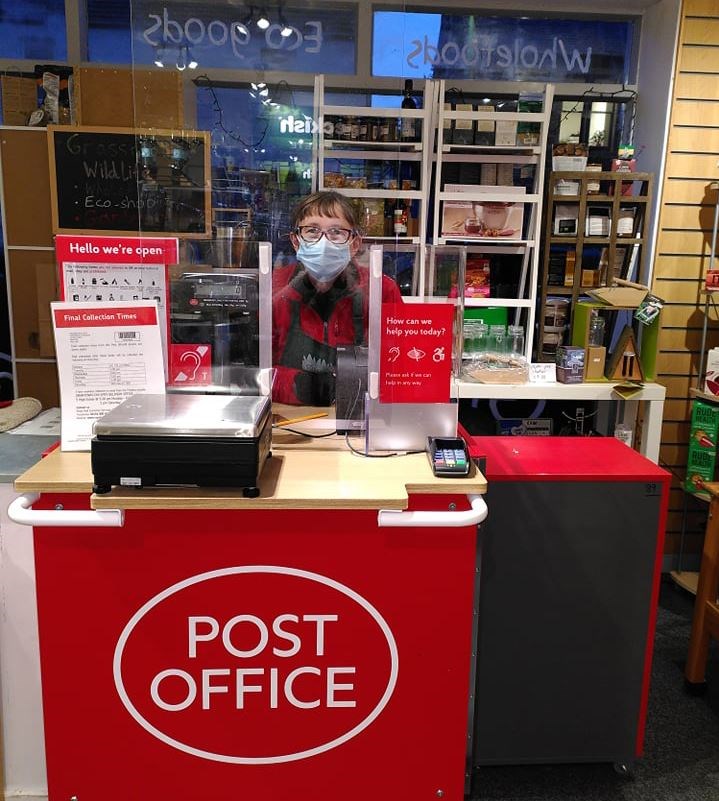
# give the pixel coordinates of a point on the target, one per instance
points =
(256, 654)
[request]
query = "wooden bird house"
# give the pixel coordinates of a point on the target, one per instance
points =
(624, 364)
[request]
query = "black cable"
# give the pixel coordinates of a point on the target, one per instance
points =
(205, 82)
(304, 433)
(369, 455)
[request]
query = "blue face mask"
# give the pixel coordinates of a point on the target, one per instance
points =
(324, 260)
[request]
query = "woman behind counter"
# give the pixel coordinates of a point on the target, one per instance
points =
(321, 301)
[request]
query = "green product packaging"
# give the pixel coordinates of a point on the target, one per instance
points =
(701, 459)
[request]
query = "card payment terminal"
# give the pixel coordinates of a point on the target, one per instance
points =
(448, 456)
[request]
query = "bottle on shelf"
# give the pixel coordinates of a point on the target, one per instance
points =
(408, 129)
(400, 218)
(389, 205)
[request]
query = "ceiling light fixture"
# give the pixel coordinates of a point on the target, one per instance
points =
(263, 21)
(285, 27)
(159, 53)
(181, 62)
(191, 60)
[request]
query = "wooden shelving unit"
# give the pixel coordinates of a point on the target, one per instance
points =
(623, 253)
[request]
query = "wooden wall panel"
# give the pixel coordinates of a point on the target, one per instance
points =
(696, 217)
(679, 190)
(689, 112)
(694, 140)
(684, 267)
(25, 170)
(684, 242)
(685, 220)
(696, 85)
(702, 31)
(39, 380)
(679, 339)
(699, 59)
(700, 8)
(693, 165)
(682, 290)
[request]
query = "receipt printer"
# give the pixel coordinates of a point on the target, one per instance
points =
(183, 439)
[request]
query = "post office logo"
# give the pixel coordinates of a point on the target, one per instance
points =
(256, 664)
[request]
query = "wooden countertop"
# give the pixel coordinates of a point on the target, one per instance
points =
(295, 478)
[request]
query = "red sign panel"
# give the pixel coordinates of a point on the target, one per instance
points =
(190, 365)
(225, 652)
(116, 249)
(416, 352)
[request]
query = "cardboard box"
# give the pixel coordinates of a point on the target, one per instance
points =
(701, 459)
(594, 363)
(570, 364)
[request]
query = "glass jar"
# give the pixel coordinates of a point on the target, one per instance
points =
(497, 345)
(596, 330)
(515, 340)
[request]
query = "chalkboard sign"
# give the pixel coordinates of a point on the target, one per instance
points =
(130, 181)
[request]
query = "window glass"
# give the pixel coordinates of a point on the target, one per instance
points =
(33, 29)
(109, 37)
(308, 37)
(435, 45)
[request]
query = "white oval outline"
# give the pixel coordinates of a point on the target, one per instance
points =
(229, 571)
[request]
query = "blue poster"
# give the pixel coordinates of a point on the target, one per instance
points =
(292, 39)
(428, 45)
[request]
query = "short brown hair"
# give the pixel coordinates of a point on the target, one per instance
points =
(325, 204)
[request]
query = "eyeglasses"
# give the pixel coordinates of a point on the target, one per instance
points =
(312, 234)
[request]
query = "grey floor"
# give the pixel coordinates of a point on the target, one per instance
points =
(681, 752)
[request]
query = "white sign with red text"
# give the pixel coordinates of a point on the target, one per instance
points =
(106, 352)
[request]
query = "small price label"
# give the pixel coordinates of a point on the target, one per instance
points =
(542, 373)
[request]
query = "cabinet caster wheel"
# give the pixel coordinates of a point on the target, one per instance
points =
(251, 492)
(695, 688)
(625, 769)
(101, 489)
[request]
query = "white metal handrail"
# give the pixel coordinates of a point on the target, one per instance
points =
(21, 511)
(467, 517)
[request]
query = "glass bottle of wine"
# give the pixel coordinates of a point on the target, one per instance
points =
(408, 129)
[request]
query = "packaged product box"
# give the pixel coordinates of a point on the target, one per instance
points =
(701, 459)
(506, 133)
(711, 376)
(570, 364)
(476, 281)
(463, 129)
(484, 130)
(528, 132)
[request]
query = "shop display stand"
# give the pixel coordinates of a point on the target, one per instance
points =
(609, 198)
(528, 246)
